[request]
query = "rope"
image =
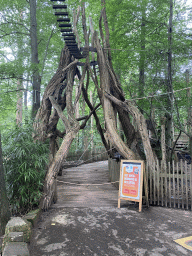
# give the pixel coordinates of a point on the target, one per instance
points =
(151, 96)
(89, 184)
(94, 157)
(86, 148)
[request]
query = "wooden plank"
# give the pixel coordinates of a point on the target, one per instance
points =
(150, 185)
(147, 180)
(65, 25)
(71, 41)
(158, 188)
(178, 185)
(61, 13)
(169, 168)
(154, 184)
(174, 200)
(91, 49)
(68, 34)
(182, 190)
(66, 30)
(69, 38)
(60, 6)
(63, 19)
(186, 186)
(68, 43)
(145, 185)
(162, 192)
(73, 48)
(71, 44)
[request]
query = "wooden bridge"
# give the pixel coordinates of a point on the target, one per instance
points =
(87, 185)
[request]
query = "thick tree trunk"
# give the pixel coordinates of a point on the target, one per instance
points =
(50, 181)
(108, 109)
(72, 128)
(169, 123)
(36, 79)
(4, 204)
(129, 107)
(142, 53)
(55, 87)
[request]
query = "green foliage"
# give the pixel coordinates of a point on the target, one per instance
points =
(25, 164)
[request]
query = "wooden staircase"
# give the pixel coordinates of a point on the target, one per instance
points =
(67, 33)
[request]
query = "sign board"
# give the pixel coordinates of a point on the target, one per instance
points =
(131, 181)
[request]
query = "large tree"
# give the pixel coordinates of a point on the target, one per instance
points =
(59, 95)
(36, 79)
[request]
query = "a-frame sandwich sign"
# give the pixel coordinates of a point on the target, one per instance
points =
(131, 181)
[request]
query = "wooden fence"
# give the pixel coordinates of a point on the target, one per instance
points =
(169, 188)
(172, 187)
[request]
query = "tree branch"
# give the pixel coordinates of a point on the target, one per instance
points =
(60, 113)
(15, 32)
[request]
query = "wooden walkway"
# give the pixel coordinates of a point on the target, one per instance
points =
(73, 190)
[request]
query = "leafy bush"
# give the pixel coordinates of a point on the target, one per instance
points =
(25, 164)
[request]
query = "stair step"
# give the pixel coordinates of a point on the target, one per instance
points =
(66, 30)
(64, 25)
(71, 41)
(69, 38)
(16, 248)
(73, 47)
(68, 34)
(63, 19)
(69, 44)
(77, 56)
(59, 6)
(61, 13)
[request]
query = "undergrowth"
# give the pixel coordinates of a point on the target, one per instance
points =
(25, 166)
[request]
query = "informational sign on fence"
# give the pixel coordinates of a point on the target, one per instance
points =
(131, 181)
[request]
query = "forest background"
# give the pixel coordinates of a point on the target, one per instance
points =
(151, 46)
